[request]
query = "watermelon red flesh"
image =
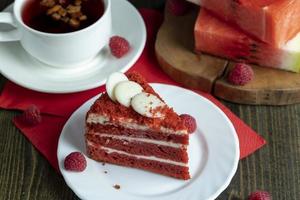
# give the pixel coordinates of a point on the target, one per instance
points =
(272, 21)
(215, 37)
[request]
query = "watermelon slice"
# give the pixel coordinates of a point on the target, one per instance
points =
(215, 37)
(272, 21)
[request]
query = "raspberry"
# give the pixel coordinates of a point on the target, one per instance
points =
(31, 116)
(189, 122)
(119, 46)
(260, 195)
(178, 7)
(241, 74)
(75, 162)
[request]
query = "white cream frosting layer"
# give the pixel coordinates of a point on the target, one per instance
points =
(128, 123)
(135, 139)
(153, 158)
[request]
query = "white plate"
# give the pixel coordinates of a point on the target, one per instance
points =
(213, 157)
(18, 66)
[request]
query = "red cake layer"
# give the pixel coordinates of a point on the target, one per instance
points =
(113, 130)
(141, 148)
(153, 166)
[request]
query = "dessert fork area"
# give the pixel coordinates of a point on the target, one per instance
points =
(25, 174)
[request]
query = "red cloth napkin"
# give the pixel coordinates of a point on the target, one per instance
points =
(56, 108)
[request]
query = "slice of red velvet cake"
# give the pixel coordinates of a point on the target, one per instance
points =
(130, 125)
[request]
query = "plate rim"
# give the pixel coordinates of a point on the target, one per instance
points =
(206, 100)
(89, 86)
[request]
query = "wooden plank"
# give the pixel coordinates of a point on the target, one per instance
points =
(269, 87)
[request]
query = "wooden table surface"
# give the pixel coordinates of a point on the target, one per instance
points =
(25, 174)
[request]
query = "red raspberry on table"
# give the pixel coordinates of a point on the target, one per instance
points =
(189, 122)
(31, 116)
(119, 46)
(75, 162)
(260, 195)
(241, 74)
(178, 7)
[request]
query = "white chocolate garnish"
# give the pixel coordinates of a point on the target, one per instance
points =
(146, 104)
(112, 81)
(125, 90)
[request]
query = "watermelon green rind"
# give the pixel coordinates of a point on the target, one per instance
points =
(295, 63)
(293, 57)
(217, 38)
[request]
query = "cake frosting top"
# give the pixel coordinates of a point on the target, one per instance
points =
(115, 111)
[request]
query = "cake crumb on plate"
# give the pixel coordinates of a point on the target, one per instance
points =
(117, 187)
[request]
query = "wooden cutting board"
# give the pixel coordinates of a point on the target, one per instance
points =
(174, 50)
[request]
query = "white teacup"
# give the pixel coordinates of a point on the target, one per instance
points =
(59, 50)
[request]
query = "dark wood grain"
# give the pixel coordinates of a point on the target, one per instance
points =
(174, 52)
(26, 175)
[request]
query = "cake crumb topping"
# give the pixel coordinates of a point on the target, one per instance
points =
(105, 106)
(136, 77)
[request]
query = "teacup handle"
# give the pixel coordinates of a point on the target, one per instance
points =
(8, 36)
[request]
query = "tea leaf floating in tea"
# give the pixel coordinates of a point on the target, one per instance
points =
(61, 16)
(67, 11)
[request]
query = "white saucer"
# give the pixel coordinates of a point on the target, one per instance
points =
(18, 66)
(213, 157)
